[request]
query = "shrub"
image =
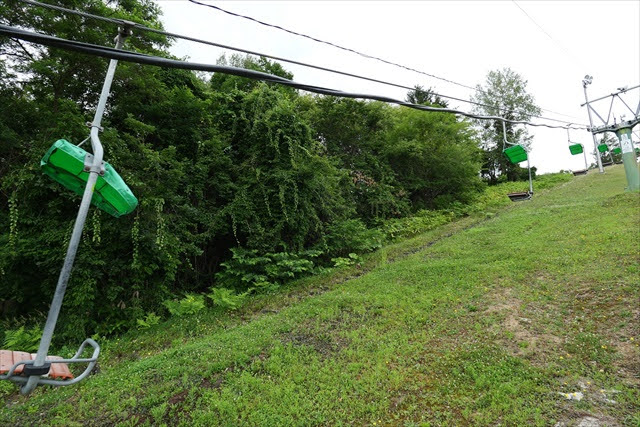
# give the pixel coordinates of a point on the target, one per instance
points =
(424, 220)
(342, 261)
(246, 269)
(189, 305)
(151, 319)
(226, 298)
(351, 236)
(23, 339)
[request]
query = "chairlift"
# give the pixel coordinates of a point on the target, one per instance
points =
(604, 148)
(516, 153)
(99, 184)
(69, 165)
(575, 149)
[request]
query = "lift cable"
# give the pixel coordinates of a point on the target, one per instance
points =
(276, 58)
(140, 58)
(353, 51)
(557, 43)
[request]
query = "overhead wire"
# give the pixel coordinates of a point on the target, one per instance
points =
(557, 43)
(140, 58)
(250, 52)
(329, 43)
(276, 58)
(365, 55)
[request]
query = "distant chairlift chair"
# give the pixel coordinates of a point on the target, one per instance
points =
(575, 149)
(616, 151)
(603, 148)
(99, 184)
(516, 153)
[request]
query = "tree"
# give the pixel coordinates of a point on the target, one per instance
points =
(503, 94)
(352, 133)
(420, 95)
(434, 156)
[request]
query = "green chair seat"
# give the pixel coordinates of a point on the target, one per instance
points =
(617, 150)
(603, 148)
(516, 154)
(576, 148)
(64, 163)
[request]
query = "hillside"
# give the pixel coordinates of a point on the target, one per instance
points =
(526, 317)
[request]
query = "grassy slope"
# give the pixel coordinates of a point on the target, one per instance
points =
(479, 322)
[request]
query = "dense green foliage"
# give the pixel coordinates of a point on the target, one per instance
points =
(242, 185)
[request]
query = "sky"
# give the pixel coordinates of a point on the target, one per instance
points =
(551, 44)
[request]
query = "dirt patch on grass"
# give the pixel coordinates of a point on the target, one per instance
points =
(323, 345)
(178, 397)
(520, 335)
(627, 345)
(617, 319)
(325, 338)
(576, 418)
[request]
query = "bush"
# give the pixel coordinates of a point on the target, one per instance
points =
(189, 305)
(226, 298)
(23, 339)
(246, 269)
(151, 319)
(425, 220)
(350, 236)
(342, 262)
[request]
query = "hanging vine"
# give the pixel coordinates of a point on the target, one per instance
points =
(13, 221)
(234, 227)
(67, 236)
(281, 196)
(161, 237)
(135, 239)
(95, 222)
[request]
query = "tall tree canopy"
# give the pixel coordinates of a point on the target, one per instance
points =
(503, 94)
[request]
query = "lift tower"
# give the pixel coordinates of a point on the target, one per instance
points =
(622, 131)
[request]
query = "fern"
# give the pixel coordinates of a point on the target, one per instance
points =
(23, 339)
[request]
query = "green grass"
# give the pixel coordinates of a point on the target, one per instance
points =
(482, 321)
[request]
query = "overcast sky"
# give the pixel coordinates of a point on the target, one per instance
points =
(552, 48)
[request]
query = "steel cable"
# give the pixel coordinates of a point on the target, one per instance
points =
(196, 40)
(140, 58)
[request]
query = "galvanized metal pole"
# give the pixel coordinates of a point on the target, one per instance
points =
(629, 158)
(530, 180)
(595, 140)
(65, 273)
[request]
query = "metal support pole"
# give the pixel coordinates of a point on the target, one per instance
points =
(586, 166)
(530, 180)
(629, 159)
(595, 140)
(65, 273)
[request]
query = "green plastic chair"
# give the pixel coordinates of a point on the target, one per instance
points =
(576, 149)
(515, 153)
(69, 165)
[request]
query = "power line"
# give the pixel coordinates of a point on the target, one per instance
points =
(140, 58)
(360, 53)
(329, 43)
(573, 58)
(276, 58)
(250, 52)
